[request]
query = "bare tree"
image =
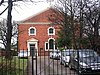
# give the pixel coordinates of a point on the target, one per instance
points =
(91, 20)
(6, 39)
(3, 31)
(68, 23)
(2, 1)
(85, 14)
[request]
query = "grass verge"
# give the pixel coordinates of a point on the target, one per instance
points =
(16, 66)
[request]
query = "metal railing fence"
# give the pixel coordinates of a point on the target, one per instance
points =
(50, 63)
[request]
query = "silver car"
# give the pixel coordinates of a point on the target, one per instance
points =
(23, 54)
(65, 57)
(55, 54)
(85, 61)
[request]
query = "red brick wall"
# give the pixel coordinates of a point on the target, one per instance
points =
(41, 35)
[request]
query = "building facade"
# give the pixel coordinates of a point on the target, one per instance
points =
(38, 32)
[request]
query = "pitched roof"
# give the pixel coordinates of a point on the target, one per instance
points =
(39, 17)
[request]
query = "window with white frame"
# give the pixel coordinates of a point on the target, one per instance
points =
(32, 31)
(50, 45)
(46, 45)
(51, 31)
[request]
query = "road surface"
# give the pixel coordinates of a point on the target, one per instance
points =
(43, 65)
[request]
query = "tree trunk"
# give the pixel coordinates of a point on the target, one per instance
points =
(9, 29)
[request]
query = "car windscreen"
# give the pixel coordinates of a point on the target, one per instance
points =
(86, 60)
(87, 54)
(67, 53)
(90, 60)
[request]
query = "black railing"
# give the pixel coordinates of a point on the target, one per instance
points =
(50, 63)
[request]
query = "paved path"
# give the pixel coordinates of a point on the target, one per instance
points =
(46, 66)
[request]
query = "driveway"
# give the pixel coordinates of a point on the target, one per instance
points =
(45, 66)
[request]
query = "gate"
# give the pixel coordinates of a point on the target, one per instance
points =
(20, 64)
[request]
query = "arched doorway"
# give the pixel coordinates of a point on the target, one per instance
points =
(51, 44)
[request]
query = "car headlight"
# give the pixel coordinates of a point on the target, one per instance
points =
(84, 65)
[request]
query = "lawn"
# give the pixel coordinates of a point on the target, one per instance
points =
(16, 66)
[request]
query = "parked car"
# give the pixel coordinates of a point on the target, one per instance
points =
(55, 54)
(65, 57)
(23, 54)
(85, 61)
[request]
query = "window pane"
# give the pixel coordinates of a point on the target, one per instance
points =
(32, 31)
(51, 44)
(50, 31)
(46, 45)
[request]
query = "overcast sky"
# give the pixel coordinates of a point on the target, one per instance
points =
(23, 10)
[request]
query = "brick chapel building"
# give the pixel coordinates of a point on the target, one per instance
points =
(38, 31)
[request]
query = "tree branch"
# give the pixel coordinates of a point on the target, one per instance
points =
(3, 10)
(1, 2)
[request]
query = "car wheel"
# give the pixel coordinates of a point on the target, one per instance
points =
(50, 57)
(61, 63)
(65, 64)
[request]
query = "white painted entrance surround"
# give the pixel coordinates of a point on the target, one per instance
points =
(32, 41)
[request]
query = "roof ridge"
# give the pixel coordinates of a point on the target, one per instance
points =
(36, 14)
